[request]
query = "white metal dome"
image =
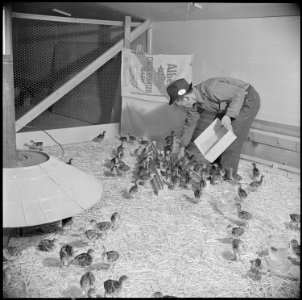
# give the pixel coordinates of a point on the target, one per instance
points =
(45, 190)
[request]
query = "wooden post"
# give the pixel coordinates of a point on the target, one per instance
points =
(117, 101)
(8, 100)
(149, 40)
(127, 31)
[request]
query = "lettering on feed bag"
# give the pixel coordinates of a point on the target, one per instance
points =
(146, 77)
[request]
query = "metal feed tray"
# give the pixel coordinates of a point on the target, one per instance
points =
(214, 140)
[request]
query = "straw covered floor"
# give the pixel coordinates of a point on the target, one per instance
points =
(166, 242)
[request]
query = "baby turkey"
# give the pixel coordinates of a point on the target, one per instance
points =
(295, 217)
(67, 222)
(87, 282)
(295, 220)
(131, 138)
(83, 259)
(100, 137)
(243, 214)
(47, 245)
(110, 256)
(114, 161)
(257, 183)
(115, 220)
(256, 172)
(38, 144)
(123, 139)
(160, 295)
(255, 264)
(92, 293)
(134, 188)
(254, 272)
(197, 192)
(143, 142)
(7, 277)
(295, 248)
(102, 226)
(120, 154)
(237, 245)
(120, 147)
(66, 253)
(123, 167)
(10, 253)
(114, 287)
(92, 235)
(139, 150)
(241, 192)
(235, 231)
(115, 170)
(70, 161)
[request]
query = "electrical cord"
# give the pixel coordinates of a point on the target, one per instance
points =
(50, 137)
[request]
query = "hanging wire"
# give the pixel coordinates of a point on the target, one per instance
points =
(50, 137)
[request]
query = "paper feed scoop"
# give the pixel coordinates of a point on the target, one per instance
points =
(213, 141)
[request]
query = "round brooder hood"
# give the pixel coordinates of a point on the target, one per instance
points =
(45, 190)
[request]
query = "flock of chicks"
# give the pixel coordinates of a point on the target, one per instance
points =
(158, 164)
(154, 159)
(98, 231)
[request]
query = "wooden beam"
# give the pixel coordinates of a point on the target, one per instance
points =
(274, 139)
(72, 20)
(288, 130)
(277, 127)
(273, 154)
(149, 40)
(78, 78)
(270, 163)
(127, 31)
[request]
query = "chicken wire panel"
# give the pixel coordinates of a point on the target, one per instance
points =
(47, 54)
(92, 100)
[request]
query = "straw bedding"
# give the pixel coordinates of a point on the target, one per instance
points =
(166, 242)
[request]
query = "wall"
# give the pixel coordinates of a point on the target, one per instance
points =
(262, 51)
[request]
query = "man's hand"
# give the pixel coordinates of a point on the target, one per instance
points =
(181, 153)
(227, 123)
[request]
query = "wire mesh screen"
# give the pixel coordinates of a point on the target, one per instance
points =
(47, 54)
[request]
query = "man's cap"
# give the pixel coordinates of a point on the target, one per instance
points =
(177, 88)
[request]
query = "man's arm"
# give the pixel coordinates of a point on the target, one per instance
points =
(236, 104)
(189, 127)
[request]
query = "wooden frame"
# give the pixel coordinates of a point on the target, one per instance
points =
(270, 163)
(72, 20)
(149, 40)
(84, 133)
(274, 139)
(127, 31)
(78, 78)
(277, 127)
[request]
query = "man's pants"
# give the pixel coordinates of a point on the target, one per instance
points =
(241, 126)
